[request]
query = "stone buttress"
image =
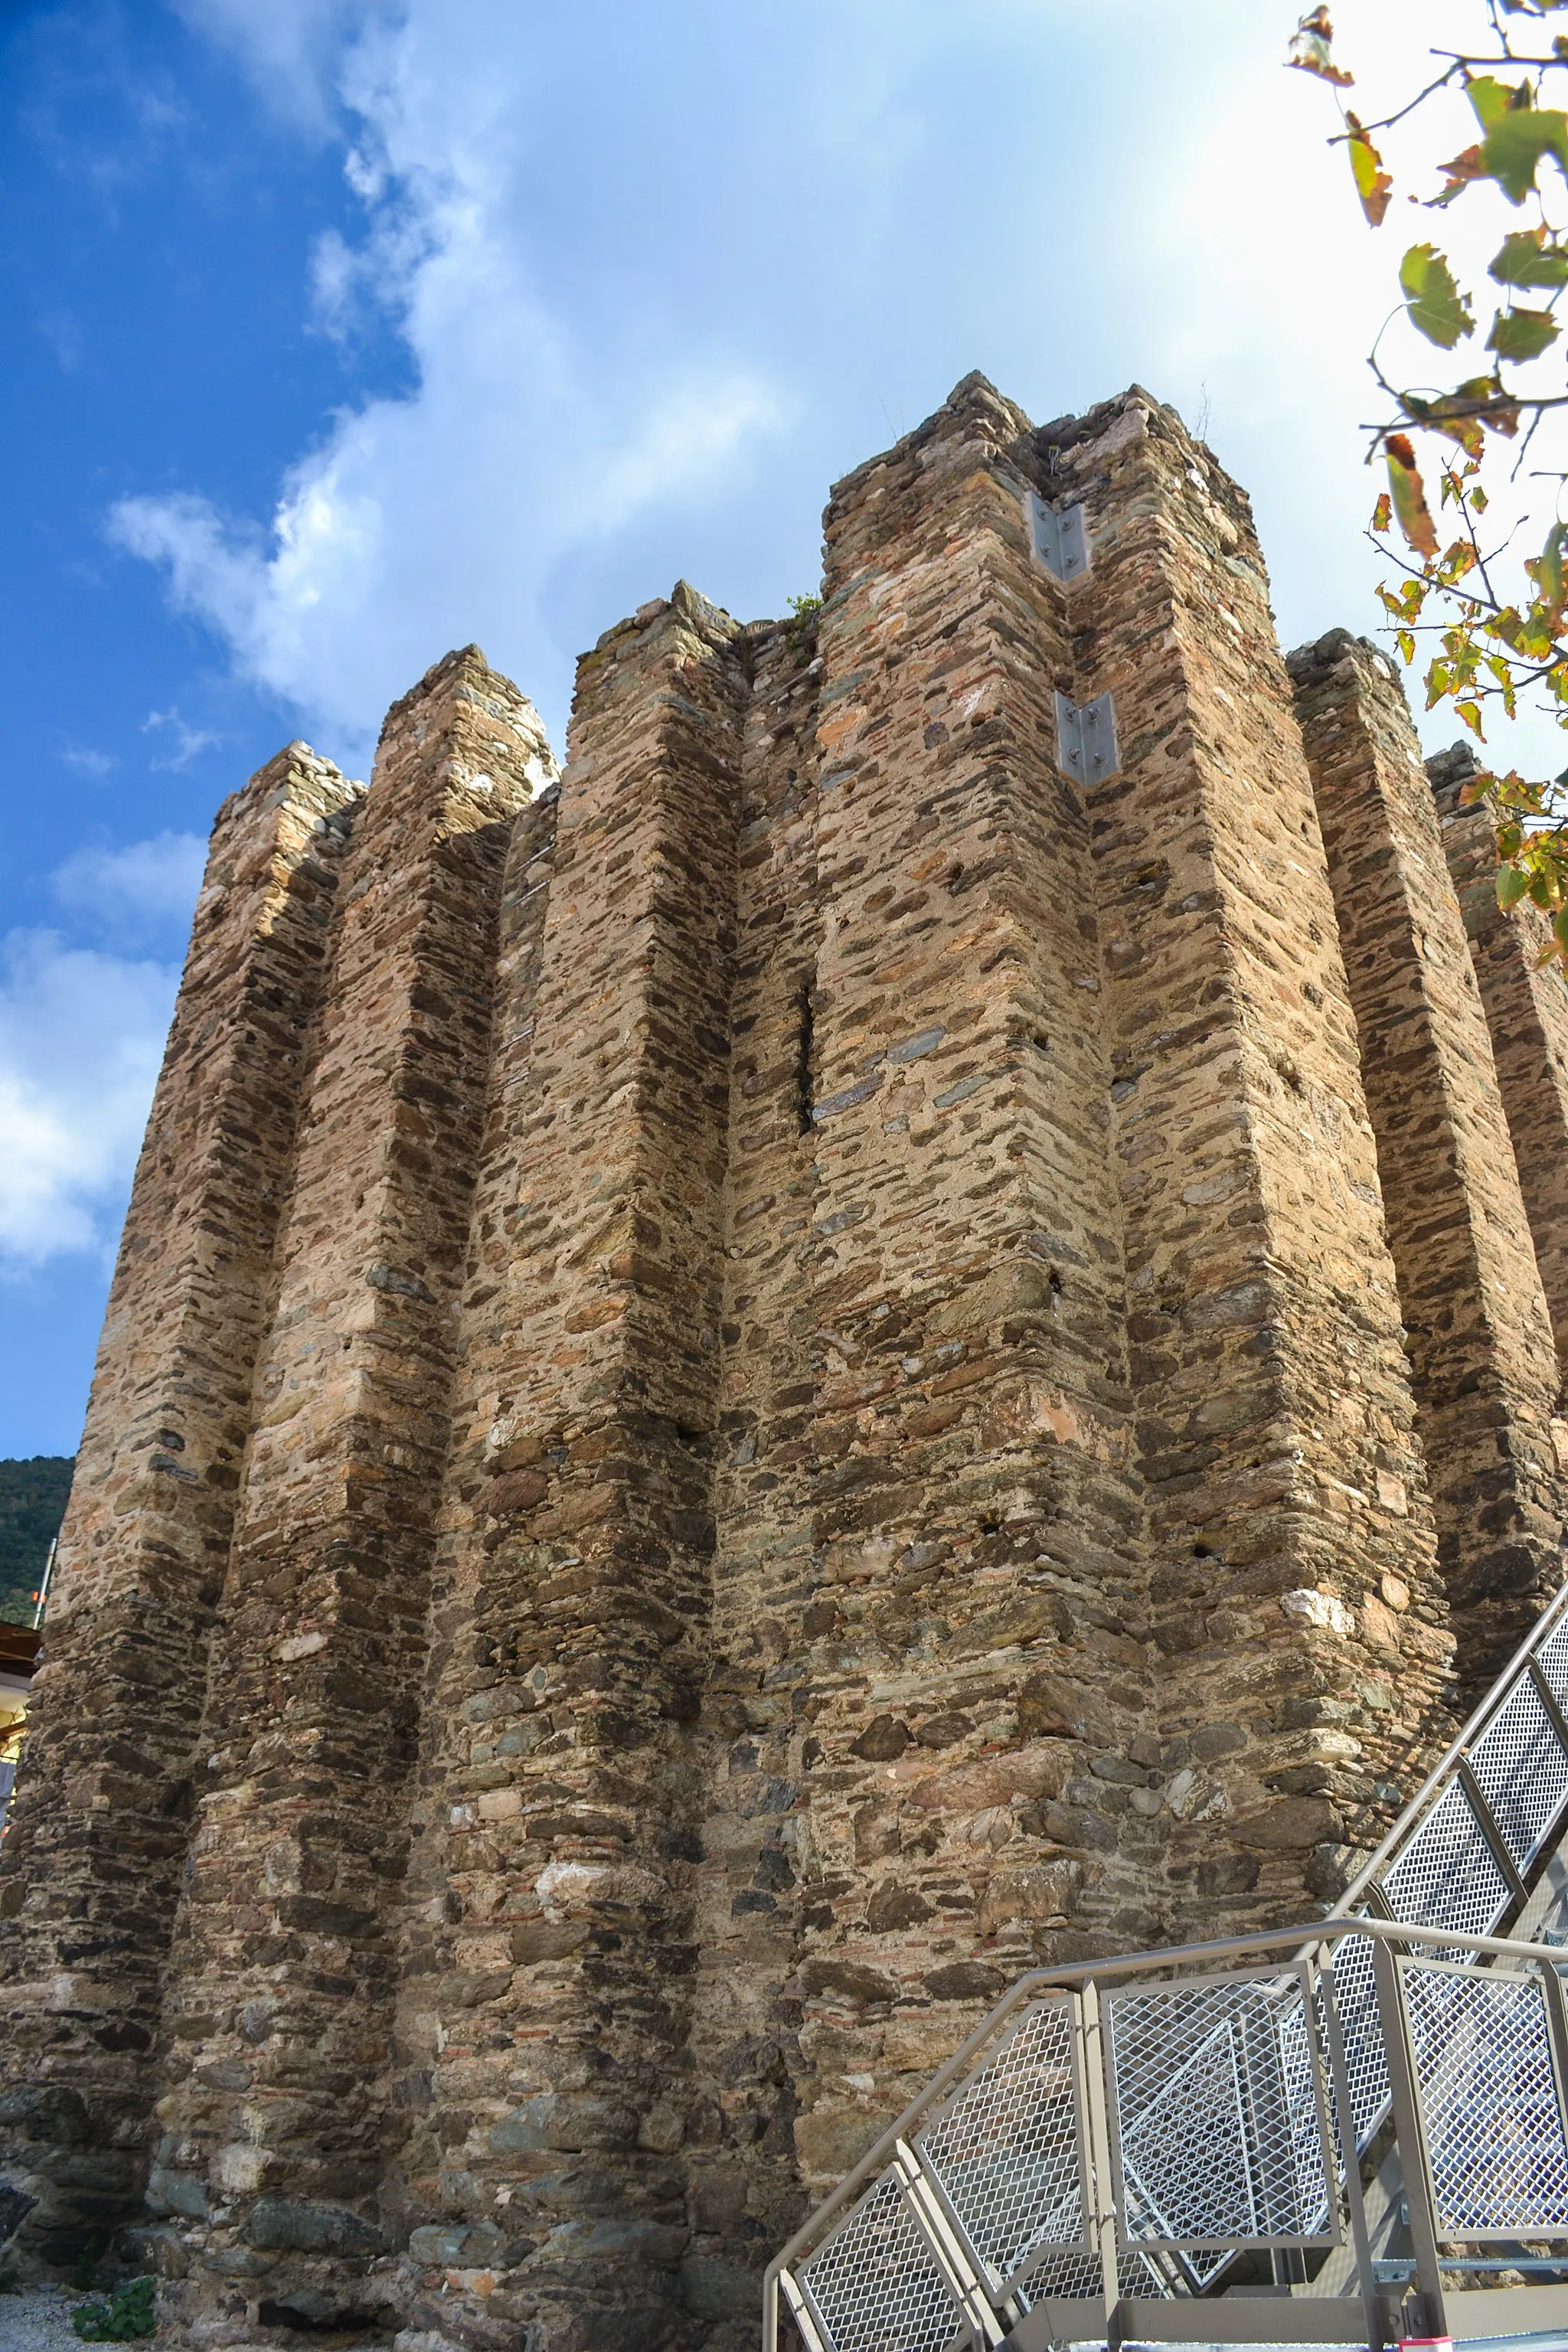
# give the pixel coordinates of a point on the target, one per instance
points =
(89, 1872)
(825, 1418)
(546, 2011)
(1526, 1006)
(273, 2115)
(1481, 1348)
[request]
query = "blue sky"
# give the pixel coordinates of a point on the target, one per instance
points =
(341, 334)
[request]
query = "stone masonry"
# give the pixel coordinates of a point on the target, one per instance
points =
(753, 1387)
(1482, 1355)
(1526, 1009)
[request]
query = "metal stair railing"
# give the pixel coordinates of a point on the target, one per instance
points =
(1357, 2128)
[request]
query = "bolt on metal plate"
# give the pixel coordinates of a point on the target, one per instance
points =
(1058, 538)
(1086, 738)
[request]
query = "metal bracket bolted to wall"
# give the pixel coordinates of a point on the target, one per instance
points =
(1058, 537)
(1086, 739)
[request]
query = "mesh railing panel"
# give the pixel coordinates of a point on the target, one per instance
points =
(1447, 1876)
(875, 2285)
(1216, 2100)
(1300, 2079)
(1552, 1657)
(1523, 1769)
(1058, 2271)
(1494, 2130)
(1356, 2001)
(1220, 2138)
(1005, 2150)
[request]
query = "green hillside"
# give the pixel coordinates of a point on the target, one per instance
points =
(32, 1505)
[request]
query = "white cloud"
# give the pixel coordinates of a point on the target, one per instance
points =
(1268, 289)
(81, 1036)
(184, 741)
(628, 261)
(288, 47)
(146, 887)
(417, 517)
(81, 1039)
(87, 762)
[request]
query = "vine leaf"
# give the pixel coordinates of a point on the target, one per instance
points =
(1492, 98)
(1522, 334)
(1511, 886)
(1372, 184)
(1549, 570)
(1518, 134)
(1524, 258)
(1408, 493)
(1311, 49)
(1461, 169)
(1433, 300)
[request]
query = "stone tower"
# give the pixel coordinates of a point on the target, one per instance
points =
(903, 1328)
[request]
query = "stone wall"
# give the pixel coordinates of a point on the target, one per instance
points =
(1481, 1348)
(814, 1410)
(100, 1825)
(1526, 1008)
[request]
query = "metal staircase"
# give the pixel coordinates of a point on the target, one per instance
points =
(1352, 2132)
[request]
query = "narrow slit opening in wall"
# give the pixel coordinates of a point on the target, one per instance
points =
(805, 1025)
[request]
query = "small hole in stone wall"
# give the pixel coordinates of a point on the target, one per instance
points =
(805, 1020)
(1040, 1042)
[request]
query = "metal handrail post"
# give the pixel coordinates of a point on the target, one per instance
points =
(1349, 2156)
(1413, 2165)
(1101, 2156)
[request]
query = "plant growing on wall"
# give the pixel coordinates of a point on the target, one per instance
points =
(130, 2315)
(1488, 607)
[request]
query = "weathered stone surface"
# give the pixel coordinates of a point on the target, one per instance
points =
(1481, 1345)
(804, 1405)
(1526, 1008)
(96, 1839)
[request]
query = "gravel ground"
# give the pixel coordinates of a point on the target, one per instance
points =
(38, 2320)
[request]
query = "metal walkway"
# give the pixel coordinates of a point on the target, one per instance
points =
(1351, 2132)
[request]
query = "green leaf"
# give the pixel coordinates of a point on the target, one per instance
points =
(1435, 302)
(1549, 570)
(1511, 152)
(1511, 886)
(1524, 258)
(1372, 184)
(1492, 98)
(1522, 334)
